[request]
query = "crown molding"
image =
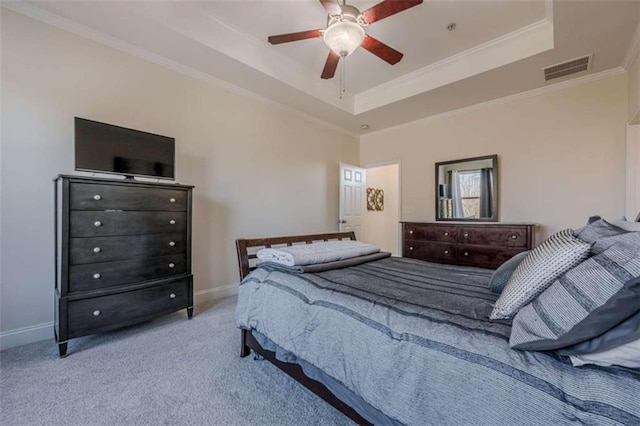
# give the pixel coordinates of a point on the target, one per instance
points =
(522, 43)
(59, 22)
(613, 72)
(633, 50)
(548, 10)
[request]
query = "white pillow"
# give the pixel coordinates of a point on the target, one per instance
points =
(627, 355)
(320, 252)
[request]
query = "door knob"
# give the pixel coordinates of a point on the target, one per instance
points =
(342, 221)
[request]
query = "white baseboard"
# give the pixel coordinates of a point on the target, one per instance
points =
(35, 333)
(25, 335)
(215, 293)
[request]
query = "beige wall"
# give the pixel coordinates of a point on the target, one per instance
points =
(561, 155)
(257, 170)
(381, 227)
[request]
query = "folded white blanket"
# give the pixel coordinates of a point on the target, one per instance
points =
(320, 252)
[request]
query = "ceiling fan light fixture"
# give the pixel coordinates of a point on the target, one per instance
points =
(343, 37)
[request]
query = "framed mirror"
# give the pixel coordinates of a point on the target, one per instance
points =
(467, 189)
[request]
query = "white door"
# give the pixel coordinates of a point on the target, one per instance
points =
(352, 190)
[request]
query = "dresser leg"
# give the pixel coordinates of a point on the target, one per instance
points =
(62, 349)
(190, 312)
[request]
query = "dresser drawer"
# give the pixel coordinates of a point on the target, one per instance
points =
(95, 276)
(110, 249)
(441, 233)
(85, 196)
(96, 314)
(494, 236)
(429, 251)
(483, 256)
(103, 223)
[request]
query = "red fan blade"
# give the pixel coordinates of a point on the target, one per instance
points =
(381, 50)
(387, 8)
(330, 66)
(302, 35)
(331, 6)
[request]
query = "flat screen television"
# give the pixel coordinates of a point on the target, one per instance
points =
(106, 148)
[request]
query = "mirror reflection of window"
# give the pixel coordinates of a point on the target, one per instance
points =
(469, 189)
(466, 189)
(471, 193)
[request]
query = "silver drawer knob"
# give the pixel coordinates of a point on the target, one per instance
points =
(466, 234)
(446, 234)
(411, 231)
(172, 265)
(96, 276)
(97, 223)
(172, 200)
(446, 252)
(97, 197)
(514, 237)
(410, 248)
(96, 313)
(172, 243)
(466, 253)
(172, 222)
(172, 295)
(96, 250)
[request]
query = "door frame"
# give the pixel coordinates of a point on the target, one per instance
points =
(632, 198)
(399, 206)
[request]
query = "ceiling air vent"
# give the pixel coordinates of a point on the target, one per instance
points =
(569, 67)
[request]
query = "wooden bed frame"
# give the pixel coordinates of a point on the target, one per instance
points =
(249, 343)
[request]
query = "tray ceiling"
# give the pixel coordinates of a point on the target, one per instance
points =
(497, 49)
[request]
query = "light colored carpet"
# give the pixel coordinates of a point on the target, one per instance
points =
(167, 371)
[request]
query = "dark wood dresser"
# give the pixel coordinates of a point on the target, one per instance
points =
(123, 254)
(471, 244)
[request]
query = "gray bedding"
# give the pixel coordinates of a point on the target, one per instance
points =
(413, 340)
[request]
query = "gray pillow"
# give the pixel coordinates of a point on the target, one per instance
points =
(625, 332)
(537, 271)
(501, 275)
(593, 219)
(605, 242)
(590, 299)
(598, 229)
(627, 225)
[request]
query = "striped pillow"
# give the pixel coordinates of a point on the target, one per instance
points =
(537, 271)
(587, 301)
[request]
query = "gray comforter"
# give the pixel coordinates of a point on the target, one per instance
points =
(413, 340)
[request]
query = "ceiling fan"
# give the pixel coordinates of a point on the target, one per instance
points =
(345, 31)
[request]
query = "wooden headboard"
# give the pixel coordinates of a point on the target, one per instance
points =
(243, 246)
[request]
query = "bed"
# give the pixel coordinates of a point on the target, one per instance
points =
(402, 341)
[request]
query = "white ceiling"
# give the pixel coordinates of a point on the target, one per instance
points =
(498, 49)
